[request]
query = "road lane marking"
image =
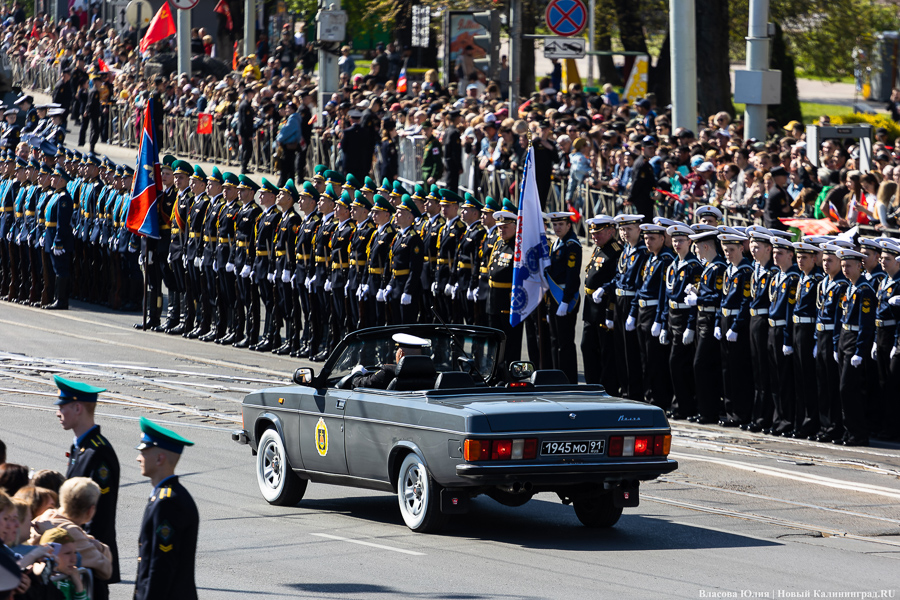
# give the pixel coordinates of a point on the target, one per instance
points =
(825, 531)
(371, 544)
(804, 477)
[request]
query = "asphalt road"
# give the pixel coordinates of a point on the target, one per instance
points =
(744, 514)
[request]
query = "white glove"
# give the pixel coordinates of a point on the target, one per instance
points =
(856, 360)
(286, 276)
(562, 310)
(717, 333)
(835, 356)
(379, 296)
(59, 251)
(405, 299)
(691, 299)
(215, 266)
(630, 324)
(815, 350)
(252, 274)
(359, 370)
(9, 236)
(347, 287)
(664, 338)
(229, 267)
(448, 290)
(387, 292)
(197, 261)
(365, 290)
(469, 296)
(43, 238)
(245, 272)
(894, 352)
(475, 294)
(434, 288)
(312, 280)
(328, 286)
(731, 335)
(656, 329)
(597, 295)
(610, 324)
(453, 291)
(271, 277)
(787, 350)
(687, 338)
(894, 301)
(132, 250)
(874, 352)
(140, 260)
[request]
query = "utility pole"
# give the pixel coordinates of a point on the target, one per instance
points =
(250, 28)
(683, 27)
(184, 41)
(331, 31)
(757, 86)
(515, 48)
(592, 34)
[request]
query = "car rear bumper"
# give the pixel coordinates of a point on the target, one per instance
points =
(567, 473)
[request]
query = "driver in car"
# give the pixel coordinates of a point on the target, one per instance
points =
(407, 345)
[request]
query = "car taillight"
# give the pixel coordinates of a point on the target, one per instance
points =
(516, 449)
(639, 445)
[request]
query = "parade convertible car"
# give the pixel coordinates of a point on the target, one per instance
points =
(452, 426)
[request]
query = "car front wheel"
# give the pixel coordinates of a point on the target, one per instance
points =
(419, 496)
(597, 511)
(277, 481)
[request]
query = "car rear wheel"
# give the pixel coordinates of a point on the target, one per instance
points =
(277, 481)
(419, 496)
(597, 511)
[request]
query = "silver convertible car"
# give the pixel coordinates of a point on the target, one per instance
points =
(451, 425)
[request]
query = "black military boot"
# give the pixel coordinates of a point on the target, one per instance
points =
(62, 295)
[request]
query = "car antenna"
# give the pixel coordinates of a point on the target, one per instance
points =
(457, 344)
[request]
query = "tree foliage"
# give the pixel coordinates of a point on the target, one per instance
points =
(821, 34)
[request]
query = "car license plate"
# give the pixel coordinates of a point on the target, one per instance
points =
(569, 447)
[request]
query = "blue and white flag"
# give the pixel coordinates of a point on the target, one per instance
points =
(532, 251)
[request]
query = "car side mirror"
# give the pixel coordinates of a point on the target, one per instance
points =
(303, 376)
(520, 369)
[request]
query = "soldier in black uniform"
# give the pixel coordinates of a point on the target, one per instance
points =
(564, 278)
(429, 229)
(481, 287)
(264, 266)
(500, 263)
(91, 115)
(167, 544)
(227, 324)
(362, 309)
(886, 346)
(782, 295)
(453, 151)
(631, 261)
(763, 271)
(285, 245)
(379, 256)
(246, 309)
(194, 255)
(406, 265)
(306, 270)
(247, 127)
(181, 297)
(597, 344)
(26, 105)
(407, 345)
(91, 455)
(806, 409)
(467, 252)
(322, 253)
(735, 323)
(449, 236)
(208, 265)
(778, 203)
(339, 277)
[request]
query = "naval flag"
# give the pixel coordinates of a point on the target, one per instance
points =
(143, 214)
(532, 251)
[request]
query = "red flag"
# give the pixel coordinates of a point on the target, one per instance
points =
(161, 27)
(204, 124)
(812, 226)
(223, 9)
(104, 68)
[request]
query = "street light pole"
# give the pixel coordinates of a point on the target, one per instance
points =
(683, 27)
(515, 47)
(250, 28)
(184, 41)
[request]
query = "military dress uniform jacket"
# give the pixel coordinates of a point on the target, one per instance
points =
(500, 277)
(225, 228)
(782, 296)
(828, 300)
(481, 269)
(628, 271)
(759, 288)
(264, 252)
(359, 252)
(564, 272)
(856, 313)
(432, 159)
(431, 228)
(736, 288)
(709, 290)
(7, 206)
(599, 272)
(100, 217)
(180, 212)
(58, 219)
(887, 316)
(339, 249)
(467, 257)
(806, 300)
(211, 230)
(449, 236)
(195, 225)
(652, 291)
(95, 458)
(305, 249)
(322, 249)
(875, 276)
(679, 275)
(379, 256)
(167, 545)
(285, 242)
(406, 264)
(243, 251)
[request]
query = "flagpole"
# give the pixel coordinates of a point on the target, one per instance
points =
(144, 255)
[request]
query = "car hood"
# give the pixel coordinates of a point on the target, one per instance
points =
(550, 412)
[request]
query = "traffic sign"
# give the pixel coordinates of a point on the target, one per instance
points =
(564, 47)
(184, 4)
(566, 17)
(138, 13)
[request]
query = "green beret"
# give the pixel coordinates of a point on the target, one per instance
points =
(310, 190)
(359, 199)
(246, 183)
(382, 203)
(268, 186)
(449, 197)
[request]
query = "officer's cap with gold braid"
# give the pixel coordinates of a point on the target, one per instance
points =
(383, 204)
(333, 178)
(182, 167)
(168, 162)
(329, 193)
(369, 185)
(504, 216)
(419, 192)
(471, 202)
(351, 182)
(490, 205)
(216, 175)
(73, 391)
(407, 203)
(160, 437)
(230, 180)
(361, 201)
(268, 186)
(344, 200)
(398, 190)
(385, 187)
(291, 189)
(198, 173)
(319, 172)
(246, 183)
(600, 222)
(449, 197)
(308, 189)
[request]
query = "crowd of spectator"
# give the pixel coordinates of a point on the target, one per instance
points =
(590, 146)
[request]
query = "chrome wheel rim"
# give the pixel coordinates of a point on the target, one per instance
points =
(415, 493)
(271, 465)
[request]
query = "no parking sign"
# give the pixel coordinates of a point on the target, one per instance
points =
(566, 17)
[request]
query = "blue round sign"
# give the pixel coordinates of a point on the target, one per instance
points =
(566, 17)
